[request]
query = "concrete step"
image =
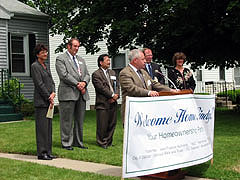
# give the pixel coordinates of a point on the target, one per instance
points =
(6, 109)
(11, 117)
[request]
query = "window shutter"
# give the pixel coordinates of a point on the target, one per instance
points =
(9, 54)
(32, 44)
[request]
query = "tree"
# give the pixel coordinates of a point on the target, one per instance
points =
(206, 31)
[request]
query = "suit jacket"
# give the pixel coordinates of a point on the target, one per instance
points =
(156, 67)
(131, 85)
(43, 84)
(102, 89)
(69, 77)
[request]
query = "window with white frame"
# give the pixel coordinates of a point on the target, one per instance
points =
(237, 76)
(222, 73)
(119, 62)
(19, 55)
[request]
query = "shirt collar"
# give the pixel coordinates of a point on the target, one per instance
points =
(134, 68)
(71, 56)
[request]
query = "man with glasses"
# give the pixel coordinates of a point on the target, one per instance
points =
(152, 68)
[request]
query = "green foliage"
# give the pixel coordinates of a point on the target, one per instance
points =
(27, 109)
(233, 95)
(207, 31)
(11, 90)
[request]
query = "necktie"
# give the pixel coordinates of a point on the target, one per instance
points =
(75, 62)
(78, 68)
(109, 82)
(150, 70)
(142, 79)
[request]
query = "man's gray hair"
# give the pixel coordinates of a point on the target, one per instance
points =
(135, 53)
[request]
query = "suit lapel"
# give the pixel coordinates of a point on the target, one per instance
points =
(102, 74)
(71, 63)
(136, 78)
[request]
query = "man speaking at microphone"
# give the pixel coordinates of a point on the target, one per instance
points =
(107, 92)
(136, 82)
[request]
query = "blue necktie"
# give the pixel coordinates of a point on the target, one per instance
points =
(75, 62)
(150, 70)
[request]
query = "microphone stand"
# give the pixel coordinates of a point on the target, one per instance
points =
(175, 87)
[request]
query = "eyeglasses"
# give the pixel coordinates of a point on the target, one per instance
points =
(148, 55)
(43, 52)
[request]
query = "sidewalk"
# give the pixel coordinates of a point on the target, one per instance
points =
(82, 166)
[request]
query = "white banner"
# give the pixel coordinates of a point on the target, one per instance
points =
(167, 132)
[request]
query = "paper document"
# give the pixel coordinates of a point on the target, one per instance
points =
(50, 112)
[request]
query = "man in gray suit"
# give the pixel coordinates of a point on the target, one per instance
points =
(72, 95)
(136, 82)
(107, 92)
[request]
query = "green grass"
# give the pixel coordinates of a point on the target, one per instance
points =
(18, 170)
(20, 138)
(226, 161)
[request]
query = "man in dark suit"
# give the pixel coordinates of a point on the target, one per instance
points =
(72, 95)
(152, 68)
(136, 82)
(107, 92)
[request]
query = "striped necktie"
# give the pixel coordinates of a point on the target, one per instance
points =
(142, 79)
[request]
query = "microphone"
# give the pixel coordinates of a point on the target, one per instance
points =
(156, 71)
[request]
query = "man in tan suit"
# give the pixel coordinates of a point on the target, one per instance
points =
(136, 82)
(107, 92)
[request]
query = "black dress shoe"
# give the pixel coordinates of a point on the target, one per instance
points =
(44, 157)
(82, 147)
(68, 147)
(51, 156)
(104, 146)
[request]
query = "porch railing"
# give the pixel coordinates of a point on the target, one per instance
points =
(10, 88)
(220, 88)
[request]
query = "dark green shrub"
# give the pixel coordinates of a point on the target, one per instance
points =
(11, 91)
(27, 109)
(231, 94)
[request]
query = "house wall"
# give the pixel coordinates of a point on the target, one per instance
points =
(33, 26)
(212, 75)
(3, 43)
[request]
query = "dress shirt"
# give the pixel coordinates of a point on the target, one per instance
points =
(108, 78)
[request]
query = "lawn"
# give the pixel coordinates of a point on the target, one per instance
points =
(19, 170)
(20, 138)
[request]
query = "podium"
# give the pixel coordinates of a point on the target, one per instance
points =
(176, 174)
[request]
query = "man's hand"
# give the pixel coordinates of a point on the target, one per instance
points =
(51, 98)
(115, 97)
(153, 93)
(81, 85)
(83, 91)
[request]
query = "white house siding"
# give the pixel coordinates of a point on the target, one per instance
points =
(3, 43)
(213, 75)
(91, 61)
(25, 27)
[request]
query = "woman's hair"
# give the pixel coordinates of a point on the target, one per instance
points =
(178, 55)
(38, 48)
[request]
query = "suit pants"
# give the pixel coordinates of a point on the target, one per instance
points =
(72, 111)
(43, 128)
(106, 123)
